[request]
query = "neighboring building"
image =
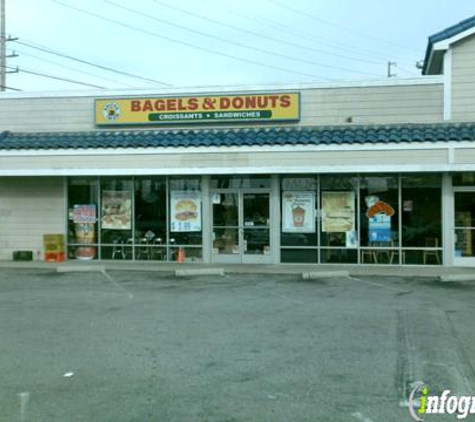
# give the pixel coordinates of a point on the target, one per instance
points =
(369, 173)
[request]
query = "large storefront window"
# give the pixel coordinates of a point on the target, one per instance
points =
(298, 237)
(186, 232)
(379, 219)
(142, 218)
(421, 210)
(83, 234)
(339, 225)
(116, 215)
(369, 219)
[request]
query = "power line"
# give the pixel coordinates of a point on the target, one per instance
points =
(207, 50)
(316, 18)
(58, 78)
(300, 34)
(72, 68)
(266, 37)
(259, 50)
(66, 56)
(9, 87)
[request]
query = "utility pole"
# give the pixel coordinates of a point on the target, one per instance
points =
(3, 49)
(390, 65)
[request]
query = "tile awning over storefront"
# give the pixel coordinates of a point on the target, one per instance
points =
(315, 135)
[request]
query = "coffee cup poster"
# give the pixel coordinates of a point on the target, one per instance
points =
(298, 212)
(185, 215)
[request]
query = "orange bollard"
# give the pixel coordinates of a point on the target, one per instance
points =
(181, 255)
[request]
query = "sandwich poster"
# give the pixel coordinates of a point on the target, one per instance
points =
(185, 211)
(298, 212)
(338, 212)
(116, 210)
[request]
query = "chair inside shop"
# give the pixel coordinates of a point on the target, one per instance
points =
(431, 242)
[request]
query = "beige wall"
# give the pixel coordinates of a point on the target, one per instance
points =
(29, 208)
(412, 103)
(463, 80)
(201, 162)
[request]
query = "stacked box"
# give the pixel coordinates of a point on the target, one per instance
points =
(54, 247)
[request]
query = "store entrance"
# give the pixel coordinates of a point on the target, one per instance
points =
(464, 226)
(241, 226)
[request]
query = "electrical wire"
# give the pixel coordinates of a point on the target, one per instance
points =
(259, 50)
(58, 78)
(175, 41)
(320, 20)
(48, 50)
(266, 37)
(70, 68)
(9, 87)
(300, 34)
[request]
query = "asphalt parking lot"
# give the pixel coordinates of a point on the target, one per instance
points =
(147, 346)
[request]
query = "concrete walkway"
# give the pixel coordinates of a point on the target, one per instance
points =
(354, 270)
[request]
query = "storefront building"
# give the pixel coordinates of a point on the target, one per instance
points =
(377, 173)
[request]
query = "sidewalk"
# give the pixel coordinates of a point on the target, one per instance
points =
(354, 270)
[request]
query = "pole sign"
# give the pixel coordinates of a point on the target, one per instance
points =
(198, 109)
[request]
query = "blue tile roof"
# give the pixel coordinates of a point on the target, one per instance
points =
(444, 35)
(315, 135)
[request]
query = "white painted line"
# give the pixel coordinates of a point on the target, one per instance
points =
(457, 277)
(24, 400)
(325, 274)
(117, 285)
(373, 283)
(358, 416)
(199, 271)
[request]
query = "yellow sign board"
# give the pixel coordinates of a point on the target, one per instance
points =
(198, 109)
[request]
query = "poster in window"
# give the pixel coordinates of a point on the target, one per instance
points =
(116, 210)
(185, 211)
(298, 212)
(84, 214)
(380, 228)
(338, 212)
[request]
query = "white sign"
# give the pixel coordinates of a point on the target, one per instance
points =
(338, 212)
(185, 211)
(298, 212)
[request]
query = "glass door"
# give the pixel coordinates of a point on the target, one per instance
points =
(241, 226)
(464, 226)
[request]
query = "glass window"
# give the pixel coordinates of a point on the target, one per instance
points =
(83, 194)
(185, 219)
(421, 209)
(237, 182)
(116, 216)
(463, 179)
(339, 225)
(298, 235)
(379, 211)
(150, 205)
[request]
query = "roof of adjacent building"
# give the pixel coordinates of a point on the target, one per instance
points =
(314, 135)
(445, 34)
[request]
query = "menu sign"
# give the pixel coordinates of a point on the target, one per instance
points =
(185, 211)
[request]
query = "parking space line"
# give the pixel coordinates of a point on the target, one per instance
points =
(373, 283)
(24, 400)
(117, 285)
(361, 417)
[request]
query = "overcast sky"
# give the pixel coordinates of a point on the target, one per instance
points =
(186, 43)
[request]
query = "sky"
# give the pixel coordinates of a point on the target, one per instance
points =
(159, 45)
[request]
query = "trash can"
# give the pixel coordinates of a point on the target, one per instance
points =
(54, 247)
